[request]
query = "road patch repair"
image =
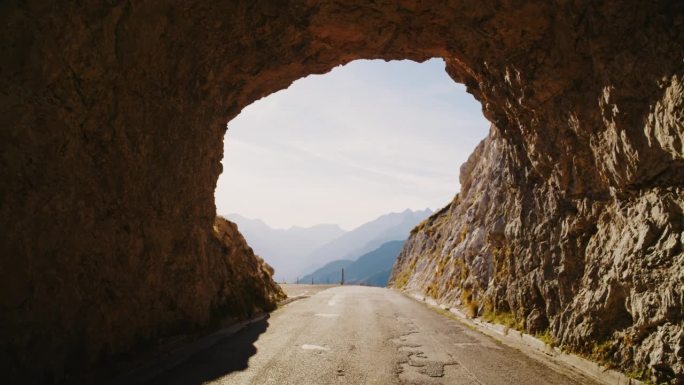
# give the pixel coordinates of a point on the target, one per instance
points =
(533, 347)
(327, 315)
(380, 337)
(315, 347)
(418, 360)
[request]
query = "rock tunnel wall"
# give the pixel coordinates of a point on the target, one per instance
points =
(112, 119)
(599, 276)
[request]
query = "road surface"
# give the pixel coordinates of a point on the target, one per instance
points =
(293, 290)
(362, 335)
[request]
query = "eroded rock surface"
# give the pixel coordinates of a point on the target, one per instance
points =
(602, 275)
(247, 285)
(111, 123)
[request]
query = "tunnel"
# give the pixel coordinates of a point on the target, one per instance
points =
(113, 115)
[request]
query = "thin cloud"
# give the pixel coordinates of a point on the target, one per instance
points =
(365, 139)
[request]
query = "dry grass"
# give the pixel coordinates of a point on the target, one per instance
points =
(434, 221)
(643, 375)
(441, 266)
(501, 265)
(505, 318)
(601, 351)
(464, 233)
(470, 303)
(402, 279)
(546, 338)
(432, 290)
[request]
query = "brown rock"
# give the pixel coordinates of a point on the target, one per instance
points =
(112, 117)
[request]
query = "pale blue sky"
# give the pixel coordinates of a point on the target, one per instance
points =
(366, 139)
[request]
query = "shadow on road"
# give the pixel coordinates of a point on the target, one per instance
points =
(229, 355)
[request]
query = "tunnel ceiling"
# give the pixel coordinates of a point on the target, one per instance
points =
(113, 116)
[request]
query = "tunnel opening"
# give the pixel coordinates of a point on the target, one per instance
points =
(309, 168)
(113, 115)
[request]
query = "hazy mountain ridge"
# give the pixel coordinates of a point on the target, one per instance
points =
(297, 251)
(281, 247)
(372, 268)
(368, 237)
(330, 273)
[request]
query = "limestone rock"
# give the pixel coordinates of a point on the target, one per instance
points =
(603, 274)
(248, 287)
(111, 123)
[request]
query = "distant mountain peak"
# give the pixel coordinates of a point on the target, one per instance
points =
(372, 268)
(298, 249)
(369, 236)
(241, 218)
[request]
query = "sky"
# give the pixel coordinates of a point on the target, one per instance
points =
(366, 139)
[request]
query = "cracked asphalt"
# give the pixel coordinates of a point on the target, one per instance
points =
(363, 335)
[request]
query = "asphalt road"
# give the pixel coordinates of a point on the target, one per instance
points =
(362, 335)
(293, 290)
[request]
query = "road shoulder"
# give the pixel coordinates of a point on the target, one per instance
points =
(566, 363)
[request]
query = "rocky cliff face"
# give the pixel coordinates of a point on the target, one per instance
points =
(601, 274)
(247, 285)
(235, 284)
(111, 123)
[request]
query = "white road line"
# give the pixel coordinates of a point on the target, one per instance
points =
(315, 347)
(327, 315)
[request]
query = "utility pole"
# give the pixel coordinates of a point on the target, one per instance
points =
(312, 279)
(297, 280)
(342, 281)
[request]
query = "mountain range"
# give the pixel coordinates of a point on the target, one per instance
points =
(283, 249)
(297, 251)
(372, 268)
